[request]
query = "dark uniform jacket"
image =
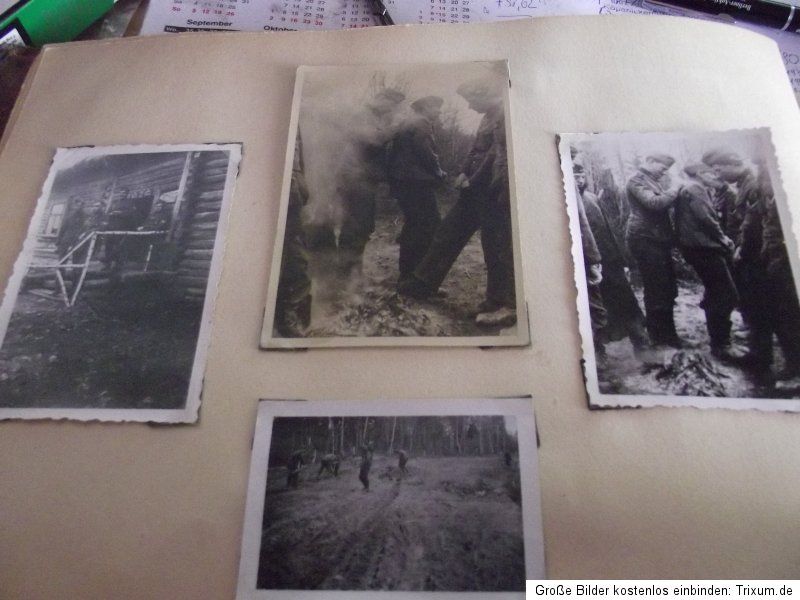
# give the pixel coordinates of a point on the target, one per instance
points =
(650, 203)
(696, 220)
(480, 160)
(413, 151)
(591, 253)
(611, 249)
(729, 211)
(753, 202)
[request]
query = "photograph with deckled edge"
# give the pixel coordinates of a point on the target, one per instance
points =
(686, 269)
(395, 496)
(398, 219)
(107, 314)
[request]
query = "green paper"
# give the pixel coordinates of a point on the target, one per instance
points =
(41, 22)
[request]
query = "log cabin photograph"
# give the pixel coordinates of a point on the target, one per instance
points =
(105, 306)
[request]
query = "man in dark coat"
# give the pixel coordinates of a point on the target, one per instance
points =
(72, 229)
(293, 468)
(480, 206)
(650, 240)
(402, 459)
(756, 302)
(329, 463)
(709, 251)
(366, 465)
(361, 174)
(785, 314)
(293, 299)
(592, 265)
(414, 173)
(624, 318)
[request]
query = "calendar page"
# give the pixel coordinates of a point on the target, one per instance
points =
(176, 16)
(476, 11)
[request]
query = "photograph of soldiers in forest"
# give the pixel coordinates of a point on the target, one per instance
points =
(687, 271)
(102, 317)
(433, 502)
(398, 221)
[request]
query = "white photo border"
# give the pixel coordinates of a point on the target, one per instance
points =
(598, 399)
(271, 342)
(190, 412)
(268, 410)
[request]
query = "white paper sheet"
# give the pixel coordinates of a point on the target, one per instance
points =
(176, 16)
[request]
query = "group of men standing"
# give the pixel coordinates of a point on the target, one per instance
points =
(120, 213)
(483, 205)
(723, 218)
(403, 155)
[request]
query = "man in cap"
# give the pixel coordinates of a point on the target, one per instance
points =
(366, 464)
(709, 251)
(623, 317)
(768, 298)
(414, 172)
(479, 207)
(293, 467)
(650, 240)
(781, 289)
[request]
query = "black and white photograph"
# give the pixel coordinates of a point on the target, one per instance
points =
(398, 219)
(686, 268)
(107, 314)
(401, 496)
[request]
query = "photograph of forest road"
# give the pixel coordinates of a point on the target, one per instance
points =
(689, 271)
(399, 215)
(393, 503)
(105, 307)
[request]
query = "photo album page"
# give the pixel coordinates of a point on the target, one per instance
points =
(304, 230)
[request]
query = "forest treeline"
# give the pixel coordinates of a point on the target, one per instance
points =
(418, 436)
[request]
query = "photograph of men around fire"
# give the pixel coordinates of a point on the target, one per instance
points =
(688, 263)
(393, 503)
(400, 219)
(105, 307)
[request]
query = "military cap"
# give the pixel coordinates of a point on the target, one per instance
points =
(722, 157)
(479, 88)
(386, 98)
(664, 159)
(695, 169)
(427, 102)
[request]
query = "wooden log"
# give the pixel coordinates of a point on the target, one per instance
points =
(208, 206)
(205, 217)
(210, 196)
(191, 225)
(201, 272)
(217, 163)
(194, 254)
(195, 291)
(199, 244)
(201, 234)
(211, 179)
(192, 281)
(194, 264)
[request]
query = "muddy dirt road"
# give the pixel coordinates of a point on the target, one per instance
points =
(449, 524)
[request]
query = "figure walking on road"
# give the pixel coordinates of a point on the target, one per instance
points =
(366, 464)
